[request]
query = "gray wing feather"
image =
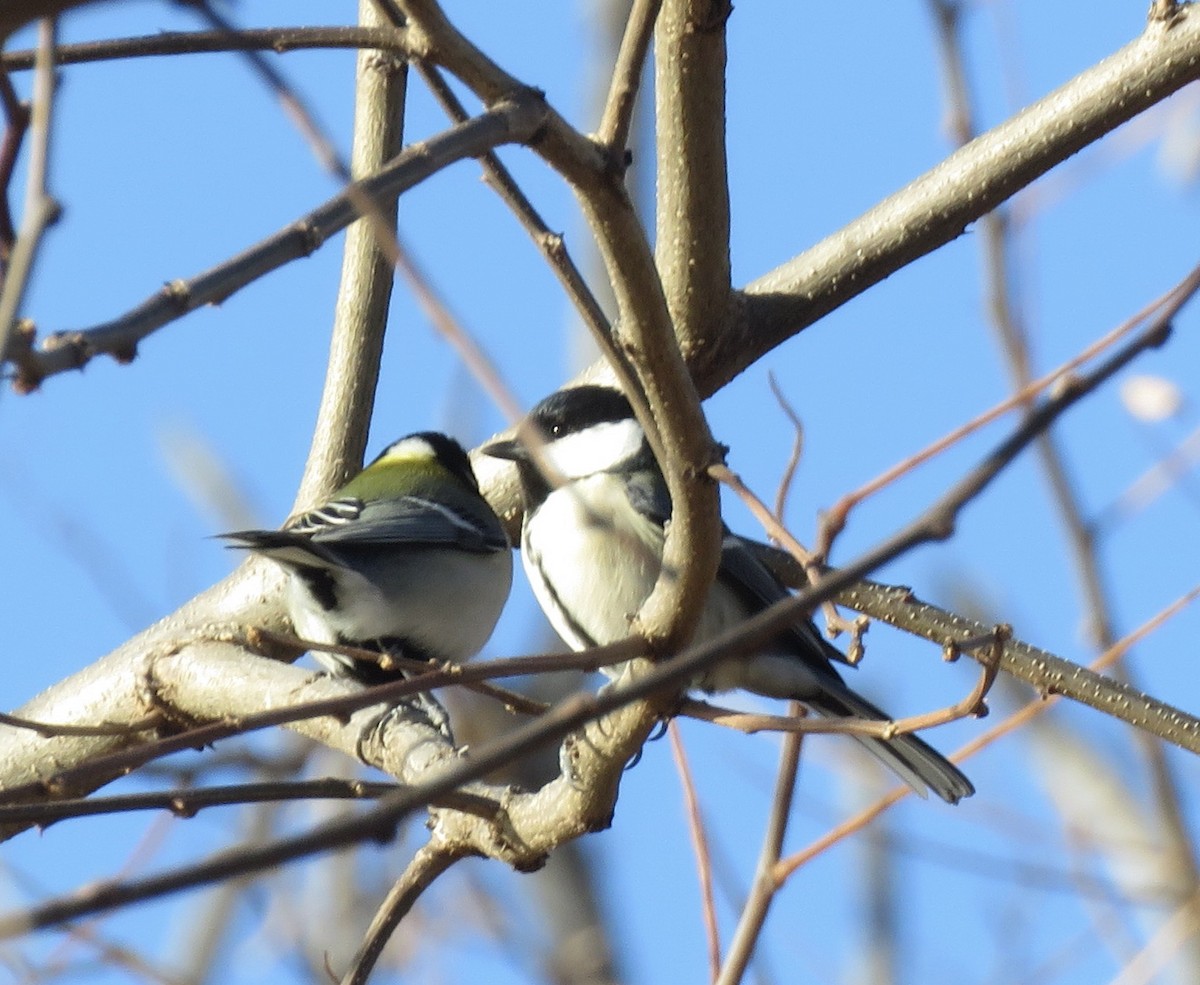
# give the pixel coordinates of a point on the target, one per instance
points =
(416, 521)
(759, 588)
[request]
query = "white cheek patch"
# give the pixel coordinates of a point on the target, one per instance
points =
(596, 449)
(410, 449)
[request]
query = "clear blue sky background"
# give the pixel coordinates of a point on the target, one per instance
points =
(168, 166)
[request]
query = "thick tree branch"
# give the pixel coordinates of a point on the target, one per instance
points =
(692, 244)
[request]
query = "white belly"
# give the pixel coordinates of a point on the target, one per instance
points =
(591, 559)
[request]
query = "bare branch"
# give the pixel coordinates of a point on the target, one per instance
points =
(429, 863)
(938, 206)
(187, 802)
(692, 241)
(509, 122)
(712, 931)
(762, 891)
(617, 119)
(277, 39)
(41, 210)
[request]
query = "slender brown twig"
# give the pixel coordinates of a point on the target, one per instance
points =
(762, 891)
(695, 817)
(617, 118)
(426, 865)
(972, 705)
(1164, 306)
(17, 116)
(48, 729)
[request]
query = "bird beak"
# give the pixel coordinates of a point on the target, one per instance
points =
(512, 450)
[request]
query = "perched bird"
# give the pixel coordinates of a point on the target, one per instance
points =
(592, 549)
(406, 558)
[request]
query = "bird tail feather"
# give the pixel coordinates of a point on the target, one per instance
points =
(908, 756)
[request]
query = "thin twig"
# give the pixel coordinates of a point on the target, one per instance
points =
(1165, 307)
(17, 116)
(277, 39)
(188, 802)
(762, 891)
(41, 210)
(507, 122)
(1171, 471)
(48, 729)
(1168, 939)
(426, 865)
(789, 470)
(1014, 721)
(549, 243)
(294, 105)
(617, 118)
(970, 706)
(695, 817)
(512, 700)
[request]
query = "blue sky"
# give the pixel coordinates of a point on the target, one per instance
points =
(167, 166)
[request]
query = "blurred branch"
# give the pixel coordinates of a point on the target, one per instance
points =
(41, 210)
(420, 873)
(1039, 706)
(762, 891)
(1007, 319)
(550, 244)
(695, 818)
(1164, 308)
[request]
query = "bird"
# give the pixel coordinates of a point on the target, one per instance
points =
(406, 558)
(592, 545)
